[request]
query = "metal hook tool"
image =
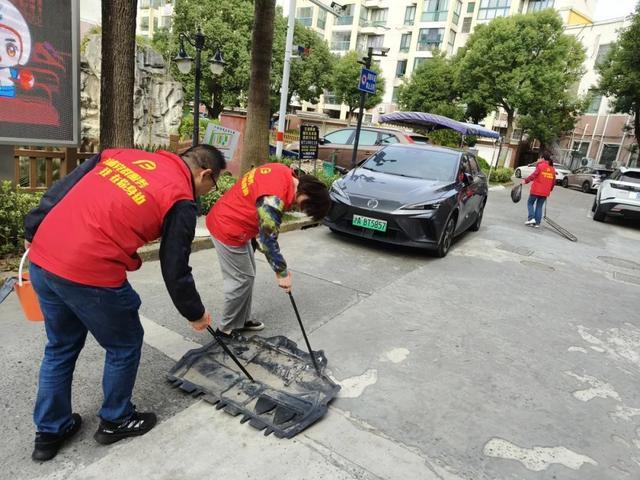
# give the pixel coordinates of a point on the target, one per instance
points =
(228, 352)
(304, 334)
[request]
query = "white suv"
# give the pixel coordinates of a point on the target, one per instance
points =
(618, 195)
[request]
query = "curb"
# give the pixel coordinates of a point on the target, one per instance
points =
(151, 252)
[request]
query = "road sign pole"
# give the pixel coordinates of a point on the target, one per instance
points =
(363, 96)
(286, 69)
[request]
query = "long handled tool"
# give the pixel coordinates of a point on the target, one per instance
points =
(304, 333)
(228, 352)
(562, 231)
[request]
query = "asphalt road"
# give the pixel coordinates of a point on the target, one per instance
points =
(515, 357)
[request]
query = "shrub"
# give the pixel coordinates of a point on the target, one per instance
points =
(14, 206)
(484, 165)
(225, 182)
(185, 130)
(501, 175)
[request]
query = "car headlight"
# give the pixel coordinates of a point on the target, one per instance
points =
(422, 206)
(338, 190)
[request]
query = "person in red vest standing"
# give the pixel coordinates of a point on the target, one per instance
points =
(82, 239)
(544, 179)
(251, 211)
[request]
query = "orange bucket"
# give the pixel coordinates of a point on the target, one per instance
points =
(27, 295)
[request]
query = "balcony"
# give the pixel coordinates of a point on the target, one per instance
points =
(429, 46)
(345, 20)
(340, 45)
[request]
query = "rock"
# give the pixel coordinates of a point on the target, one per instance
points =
(157, 101)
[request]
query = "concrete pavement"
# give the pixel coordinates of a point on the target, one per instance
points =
(515, 357)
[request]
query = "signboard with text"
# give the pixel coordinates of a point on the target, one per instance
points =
(39, 72)
(367, 81)
(223, 138)
(309, 138)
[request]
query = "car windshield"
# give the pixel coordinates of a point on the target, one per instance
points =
(414, 162)
(631, 177)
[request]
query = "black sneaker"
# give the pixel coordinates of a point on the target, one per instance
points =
(138, 424)
(46, 445)
(252, 325)
(226, 336)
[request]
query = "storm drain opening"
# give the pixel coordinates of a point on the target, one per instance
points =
(286, 396)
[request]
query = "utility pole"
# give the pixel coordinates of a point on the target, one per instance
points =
(366, 61)
(334, 9)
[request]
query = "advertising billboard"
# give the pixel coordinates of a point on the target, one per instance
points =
(39, 72)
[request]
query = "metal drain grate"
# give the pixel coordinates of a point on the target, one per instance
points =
(623, 277)
(620, 262)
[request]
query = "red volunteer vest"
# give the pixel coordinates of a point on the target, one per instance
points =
(92, 235)
(233, 220)
(544, 182)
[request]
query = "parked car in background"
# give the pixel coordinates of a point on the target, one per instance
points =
(414, 195)
(372, 139)
(586, 178)
(524, 171)
(618, 195)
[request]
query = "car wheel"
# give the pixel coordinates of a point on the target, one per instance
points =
(447, 238)
(565, 182)
(476, 225)
(518, 173)
(586, 187)
(598, 215)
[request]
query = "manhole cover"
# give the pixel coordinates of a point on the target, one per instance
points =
(623, 277)
(620, 262)
(538, 265)
(525, 252)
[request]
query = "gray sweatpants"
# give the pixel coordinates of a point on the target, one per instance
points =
(238, 267)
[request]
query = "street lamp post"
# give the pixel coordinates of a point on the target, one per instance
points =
(183, 61)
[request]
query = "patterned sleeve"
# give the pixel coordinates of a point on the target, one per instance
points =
(270, 212)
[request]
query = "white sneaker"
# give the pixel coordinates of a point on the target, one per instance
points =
(530, 222)
(535, 225)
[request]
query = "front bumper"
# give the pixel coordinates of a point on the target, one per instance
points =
(620, 208)
(422, 229)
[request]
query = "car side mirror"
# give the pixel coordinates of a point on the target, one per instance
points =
(341, 170)
(468, 179)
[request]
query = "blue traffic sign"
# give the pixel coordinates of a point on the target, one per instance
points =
(367, 81)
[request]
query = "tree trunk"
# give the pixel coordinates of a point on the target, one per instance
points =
(636, 127)
(118, 71)
(507, 140)
(256, 135)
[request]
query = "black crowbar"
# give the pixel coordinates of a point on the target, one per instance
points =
(228, 352)
(304, 334)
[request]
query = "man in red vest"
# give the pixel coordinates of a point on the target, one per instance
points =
(83, 238)
(253, 209)
(544, 179)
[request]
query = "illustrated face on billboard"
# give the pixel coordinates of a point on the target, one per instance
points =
(38, 72)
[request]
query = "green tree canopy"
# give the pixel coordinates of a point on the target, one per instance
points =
(432, 89)
(346, 73)
(620, 73)
(523, 64)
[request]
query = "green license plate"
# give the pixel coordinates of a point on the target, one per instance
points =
(370, 223)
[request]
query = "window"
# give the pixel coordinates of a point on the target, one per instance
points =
(165, 21)
(581, 147)
(379, 17)
(609, 154)
(394, 96)
(537, 5)
(490, 9)
(474, 166)
(596, 100)
(418, 61)
(340, 137)
(305, 16)
(435, 10)
(401, 68)
(321, 21)
(466, 24)
(144, 23)
(368, 138)
(451, 43)
(155, 23)
(405, 42)
(410, 15)
(347, 16)
(330, 97)
(465, 166)
(603, 51)
(456, 12)
(430, 38)
(375, 41)
(144, 4)
(388, 138)
(471, 6)
(340, 41)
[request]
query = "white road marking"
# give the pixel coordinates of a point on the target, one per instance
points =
(397, 355)
(172, 344)
(354, 387)
(577, 349)
(599, 389)
(536, 458)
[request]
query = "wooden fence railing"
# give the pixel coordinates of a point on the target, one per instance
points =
(37, 169)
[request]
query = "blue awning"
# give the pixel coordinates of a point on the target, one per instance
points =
(437, 122)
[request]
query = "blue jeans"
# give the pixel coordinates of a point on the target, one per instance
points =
(535, 205)
(70, 311)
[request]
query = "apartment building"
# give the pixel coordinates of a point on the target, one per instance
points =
(154, 15)
(412, 30)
